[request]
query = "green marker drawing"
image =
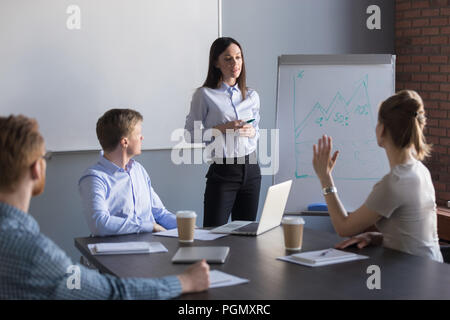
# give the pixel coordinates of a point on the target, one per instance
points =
(346, 112)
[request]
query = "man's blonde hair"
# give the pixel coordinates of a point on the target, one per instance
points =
(114, 125)
(20, 145)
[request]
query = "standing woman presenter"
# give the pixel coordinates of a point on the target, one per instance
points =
(225, 105)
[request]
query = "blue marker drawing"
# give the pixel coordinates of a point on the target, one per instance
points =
(346, 119)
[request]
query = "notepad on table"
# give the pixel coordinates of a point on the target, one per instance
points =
(322, 257)
(133, 247)
(222, 279)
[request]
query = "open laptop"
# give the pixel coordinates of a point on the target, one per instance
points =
(271, 215)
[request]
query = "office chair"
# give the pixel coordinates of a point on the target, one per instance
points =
(445, 250)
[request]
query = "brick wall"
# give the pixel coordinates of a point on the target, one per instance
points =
(422, 33)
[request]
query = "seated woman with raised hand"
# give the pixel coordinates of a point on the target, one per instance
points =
(402, 204)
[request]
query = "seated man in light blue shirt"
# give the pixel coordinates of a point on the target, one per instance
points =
(117, 194)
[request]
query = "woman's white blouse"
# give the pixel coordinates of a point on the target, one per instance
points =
(211, 107)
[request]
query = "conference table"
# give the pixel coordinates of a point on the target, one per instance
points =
(402, 276)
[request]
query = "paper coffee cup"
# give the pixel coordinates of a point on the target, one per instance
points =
(186, 225)
(293, 232)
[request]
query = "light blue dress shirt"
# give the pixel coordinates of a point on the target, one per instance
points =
(211, 107)
(34, 267)
(119, 201)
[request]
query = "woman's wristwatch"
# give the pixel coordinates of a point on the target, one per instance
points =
(329, 190)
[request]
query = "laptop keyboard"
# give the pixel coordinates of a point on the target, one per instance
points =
(232, 225)
(251, 227)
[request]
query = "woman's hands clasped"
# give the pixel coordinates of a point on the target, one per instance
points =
(243, 128)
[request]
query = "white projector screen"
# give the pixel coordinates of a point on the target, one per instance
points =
(148, 55)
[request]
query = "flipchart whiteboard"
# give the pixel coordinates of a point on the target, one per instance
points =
(336, 95)
(146, 55)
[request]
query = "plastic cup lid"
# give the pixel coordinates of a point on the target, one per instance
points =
(293, 220)
(186, 214)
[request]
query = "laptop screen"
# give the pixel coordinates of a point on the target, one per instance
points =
(274, 206)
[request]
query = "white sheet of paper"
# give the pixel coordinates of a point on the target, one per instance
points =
(156, 247)
(127, 248)
(199, 234)
(290, 259)
(221, 279)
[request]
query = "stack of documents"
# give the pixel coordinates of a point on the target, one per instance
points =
(133, 247)
(322, 257)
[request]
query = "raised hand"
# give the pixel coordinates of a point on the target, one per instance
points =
(323, 162)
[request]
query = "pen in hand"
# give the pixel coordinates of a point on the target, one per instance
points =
(244, 122)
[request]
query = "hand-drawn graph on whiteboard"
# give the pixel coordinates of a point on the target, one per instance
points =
(343, 110)
(336, 95)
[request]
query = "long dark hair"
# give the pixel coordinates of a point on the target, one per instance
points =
(403, 116)
(214, 77)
